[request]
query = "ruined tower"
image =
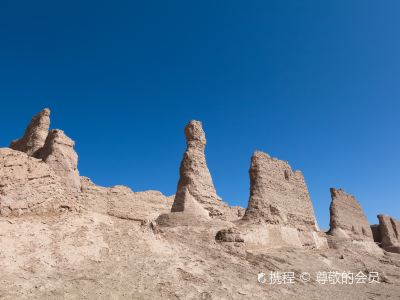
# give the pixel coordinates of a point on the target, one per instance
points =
(278, 195)
(195, 178)
(35, 134)
(347, 217)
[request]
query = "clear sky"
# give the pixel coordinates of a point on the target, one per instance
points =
(316, 83)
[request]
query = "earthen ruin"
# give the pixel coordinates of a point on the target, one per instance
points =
(387, 233)
(279, 212)
(278, 195)
(35, 134)
(39, 174)
(29, 186)
(196, 193)
(347, 217)
(61, 234)
(59, 153)
(195, 178)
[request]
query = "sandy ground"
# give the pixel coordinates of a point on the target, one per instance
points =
(90, 255)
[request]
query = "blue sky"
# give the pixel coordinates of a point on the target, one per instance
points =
(312, 82)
